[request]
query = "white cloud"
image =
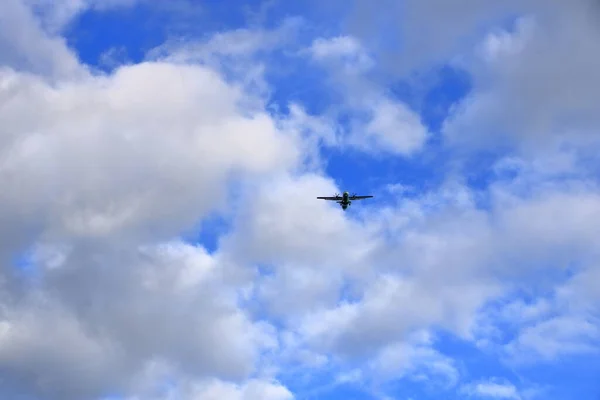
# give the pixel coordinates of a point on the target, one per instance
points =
(416, 359)
(519, 312)
(237, 54)
(25, 45)
(453, 262)
(556, 337)
(492, 389)
(438, 251)
(114, 312)
(537, 88)
(238, 44)
(414, 35)
(316, 131)
(394, 126)
(344, 49)
(382, 123)
(274, 226)
(217, 390)
(158, 140)
(105, 170)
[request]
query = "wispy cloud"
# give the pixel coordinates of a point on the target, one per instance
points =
(491, 390)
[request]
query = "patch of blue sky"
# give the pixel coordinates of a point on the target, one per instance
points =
(131, 32)
(353, 379)
(208, 232)
(356, 173)
(211, 228)
(294, 80)
(313, 12)
(482, 364)
(425, 388)
(25, 267)
(23, 261)
(323, 383)
(570, 377)
(472, 362)
(561, 379)
(450, 86)
(345, 383)
(478, 169)
(343, 391)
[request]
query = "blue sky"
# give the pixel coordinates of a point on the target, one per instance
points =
(467, 276)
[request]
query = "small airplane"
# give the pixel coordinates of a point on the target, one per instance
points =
(345, 199)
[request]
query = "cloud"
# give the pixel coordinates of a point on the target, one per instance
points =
(342, 48)
(446, 256)
(55, 15)
(26, 46)
(110, 314)
(536, 90)
(215, 390)
(491, 389)
(273, 227)
(107, 170)
(240, 55)
(416, 35)
(380, 123)
(139, 138)
(417, 359)
(104, 171)
(556, 337)
(238, 44)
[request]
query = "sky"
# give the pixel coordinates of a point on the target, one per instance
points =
(160, 233)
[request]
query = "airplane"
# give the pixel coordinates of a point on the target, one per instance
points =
(345, 199)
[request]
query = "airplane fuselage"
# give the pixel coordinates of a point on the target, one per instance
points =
(345, 202)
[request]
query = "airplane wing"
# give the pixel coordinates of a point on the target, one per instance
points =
(330, 198)
(359, 197)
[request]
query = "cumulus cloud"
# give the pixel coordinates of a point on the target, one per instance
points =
(105, 171)
(103, 316)
(536, 85)
(26, 46)
(416, 35)
(441, 253)
(133, 151)
(382, 123)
